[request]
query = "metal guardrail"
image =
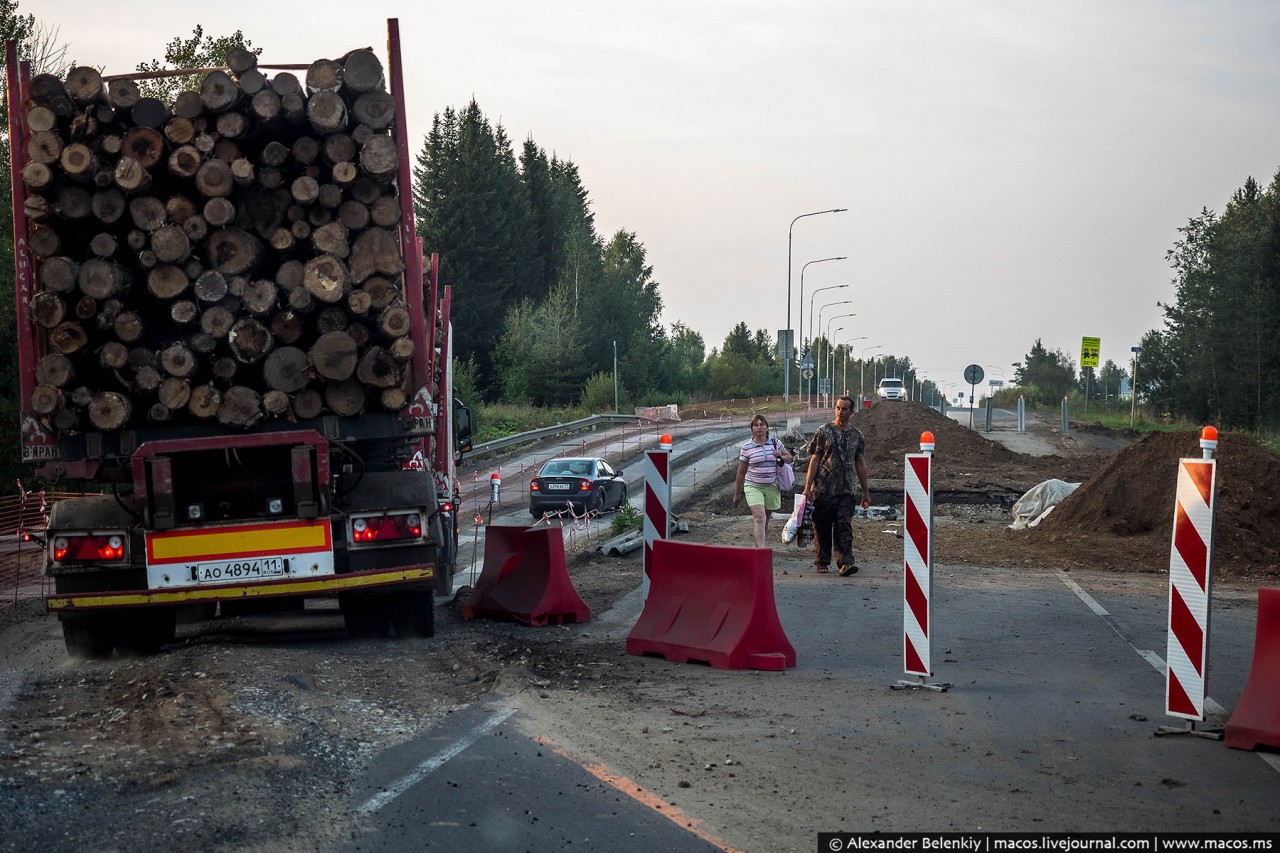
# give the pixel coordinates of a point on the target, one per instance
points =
(498, 445)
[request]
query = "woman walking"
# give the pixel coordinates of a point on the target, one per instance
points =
(757, 478)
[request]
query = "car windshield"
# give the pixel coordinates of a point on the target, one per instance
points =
(567, 468)
(890, 383)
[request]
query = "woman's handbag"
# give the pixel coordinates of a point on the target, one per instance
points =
(786, 476)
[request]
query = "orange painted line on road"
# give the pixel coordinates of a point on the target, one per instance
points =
(641, 795)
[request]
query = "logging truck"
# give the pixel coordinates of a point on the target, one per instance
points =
(229, 333)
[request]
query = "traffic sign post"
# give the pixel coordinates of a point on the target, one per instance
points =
(973, 375)
(1089, 351)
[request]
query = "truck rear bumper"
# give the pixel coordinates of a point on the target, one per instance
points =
(306, 587)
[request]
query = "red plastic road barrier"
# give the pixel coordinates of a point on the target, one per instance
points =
(714, 605)
(524, 579)
(1256, 719)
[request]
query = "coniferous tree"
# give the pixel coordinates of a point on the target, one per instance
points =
(468, 209)
(1045, 375)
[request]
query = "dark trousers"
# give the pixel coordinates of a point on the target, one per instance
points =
(833, 518)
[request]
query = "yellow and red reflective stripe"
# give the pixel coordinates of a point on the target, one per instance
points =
(226, 592)
(241, 540)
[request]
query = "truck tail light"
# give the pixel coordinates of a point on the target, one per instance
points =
(388, 527)
(87, 548)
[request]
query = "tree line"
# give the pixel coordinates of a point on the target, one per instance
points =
(544, 306)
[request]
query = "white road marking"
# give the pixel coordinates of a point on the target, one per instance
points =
(434, 763)
(1211, 707)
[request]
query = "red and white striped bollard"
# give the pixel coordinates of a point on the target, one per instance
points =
(657, 504)
(917, 572)
(1191, 590)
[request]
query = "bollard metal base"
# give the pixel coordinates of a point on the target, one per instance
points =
(1190, 729)
(920, 684)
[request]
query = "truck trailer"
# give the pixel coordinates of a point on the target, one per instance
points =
(230, 337)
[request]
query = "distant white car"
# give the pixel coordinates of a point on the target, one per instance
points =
(891, 389)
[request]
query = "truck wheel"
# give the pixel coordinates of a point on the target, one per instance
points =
(89, 637)
(413, 615)
(144, 632)
(365, 616)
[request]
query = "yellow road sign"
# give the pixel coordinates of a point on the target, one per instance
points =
(1089, 349)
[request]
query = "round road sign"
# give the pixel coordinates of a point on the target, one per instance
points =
(972, 374)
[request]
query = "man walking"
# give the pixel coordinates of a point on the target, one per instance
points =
(835, 458)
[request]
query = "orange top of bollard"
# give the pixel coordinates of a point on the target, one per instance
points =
(926, 442)
(664, 441)
(496, 476)
(1208, 441)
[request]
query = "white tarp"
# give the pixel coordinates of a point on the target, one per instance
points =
(1032, 507)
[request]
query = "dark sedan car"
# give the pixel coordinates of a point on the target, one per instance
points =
(584, 483)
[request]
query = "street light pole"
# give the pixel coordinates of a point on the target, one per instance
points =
(786, 380)
(862, 367)
(800, 322)
(844, 378)
(815, 293)
(1133, 399)
(822, 308)
(830, 360)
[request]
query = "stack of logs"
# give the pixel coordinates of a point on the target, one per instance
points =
(233, 255)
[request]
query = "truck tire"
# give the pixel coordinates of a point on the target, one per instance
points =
(365, 616)
(143, 632)
(89, 637)
(413, 614)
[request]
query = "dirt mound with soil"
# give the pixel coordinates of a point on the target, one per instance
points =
(963, 458)
(1132, 498)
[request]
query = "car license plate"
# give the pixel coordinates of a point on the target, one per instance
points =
(558, 487)
(239, 570)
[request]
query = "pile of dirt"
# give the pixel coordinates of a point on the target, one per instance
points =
(963, 458)
(1132, 498)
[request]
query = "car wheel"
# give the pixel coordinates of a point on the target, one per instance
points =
(598, 500)
(622, 498)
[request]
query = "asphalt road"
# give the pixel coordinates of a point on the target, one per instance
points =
(1049, 722)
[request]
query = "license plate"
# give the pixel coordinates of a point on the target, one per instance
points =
(558, 487)
(239, 570)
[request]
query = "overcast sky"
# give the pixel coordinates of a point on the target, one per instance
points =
(1012, 170)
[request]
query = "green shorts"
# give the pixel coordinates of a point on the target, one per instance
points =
(766, 496)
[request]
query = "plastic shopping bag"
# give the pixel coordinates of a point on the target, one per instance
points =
(792, 526)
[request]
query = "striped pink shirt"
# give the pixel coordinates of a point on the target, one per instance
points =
(762, 461)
